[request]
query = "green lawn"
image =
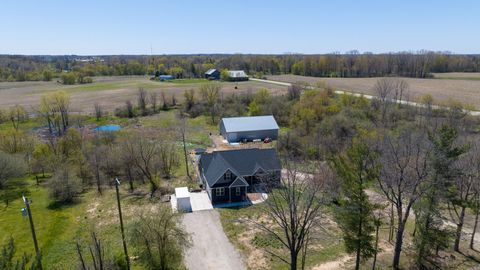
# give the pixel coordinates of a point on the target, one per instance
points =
(187, 81)
(56, 227)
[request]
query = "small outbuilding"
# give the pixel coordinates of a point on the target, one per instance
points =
(183, 199)
(238, 129)
(165, 77)
(237, 75)
(212, 74)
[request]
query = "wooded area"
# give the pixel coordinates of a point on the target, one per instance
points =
(350, 64)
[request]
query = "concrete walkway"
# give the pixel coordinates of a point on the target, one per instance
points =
(199, 201)
(210, 248)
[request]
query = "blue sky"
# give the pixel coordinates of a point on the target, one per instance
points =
(247, 26)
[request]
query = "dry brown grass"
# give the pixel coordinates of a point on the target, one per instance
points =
(458, 75)
(111, 92)
(466, 91)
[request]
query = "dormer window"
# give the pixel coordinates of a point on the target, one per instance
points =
(228, 176)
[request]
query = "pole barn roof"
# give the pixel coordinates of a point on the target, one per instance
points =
(252, 123)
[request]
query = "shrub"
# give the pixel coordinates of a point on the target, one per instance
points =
(69, 78)
(65, 185)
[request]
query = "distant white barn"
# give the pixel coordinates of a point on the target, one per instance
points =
(237, 75)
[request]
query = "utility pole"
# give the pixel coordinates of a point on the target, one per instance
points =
(32, 228)
(117, 184)
(183, 129)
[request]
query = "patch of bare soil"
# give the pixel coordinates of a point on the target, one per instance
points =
(334, 265)
(256, 258)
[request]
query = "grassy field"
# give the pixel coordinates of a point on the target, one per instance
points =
(112, 92)
(461, 88)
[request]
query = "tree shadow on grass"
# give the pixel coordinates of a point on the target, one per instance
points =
(14, 190)
(470, 256)
(58, 205)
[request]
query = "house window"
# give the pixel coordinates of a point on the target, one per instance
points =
(220, 192)
(228, 176)
(237, 191)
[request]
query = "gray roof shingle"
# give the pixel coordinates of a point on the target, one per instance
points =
(242, 162)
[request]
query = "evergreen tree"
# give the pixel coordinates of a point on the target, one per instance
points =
(356, 170)
(431, 236)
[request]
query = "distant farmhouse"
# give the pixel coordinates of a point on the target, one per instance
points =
(237, 75)
(165, 77)
(227, 176)
(238, 129)
(212, 74)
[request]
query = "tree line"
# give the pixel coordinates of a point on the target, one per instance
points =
(350, 64)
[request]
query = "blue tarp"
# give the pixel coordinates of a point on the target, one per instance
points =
(108, 128)
(165, 77)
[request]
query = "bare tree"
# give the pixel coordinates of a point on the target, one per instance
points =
(174, 100)
(169, 160)
(182, 129)
(159, 239)
(142, 100)
(153, 100)
(475, 173)
(210, 93)
(16, 115)
(401, 87)
(295, 90)
(144, 153)
(129, 107)
(98, 111)
(127, 163)
(383, 89)
(95, 160)
(54, 107)
(96, 250)
(462, 191)
(189, 97)
(295, 211)
(402, 175)
(476, 208)
(65, 185)
(164, 101)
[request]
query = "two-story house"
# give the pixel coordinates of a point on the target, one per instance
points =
(228, 175)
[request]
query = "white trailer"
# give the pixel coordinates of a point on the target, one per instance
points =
(183, 199)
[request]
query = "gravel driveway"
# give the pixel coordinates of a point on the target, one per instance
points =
(210, 248)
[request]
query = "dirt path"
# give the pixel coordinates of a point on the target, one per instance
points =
(210, 248)
(333, 265)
